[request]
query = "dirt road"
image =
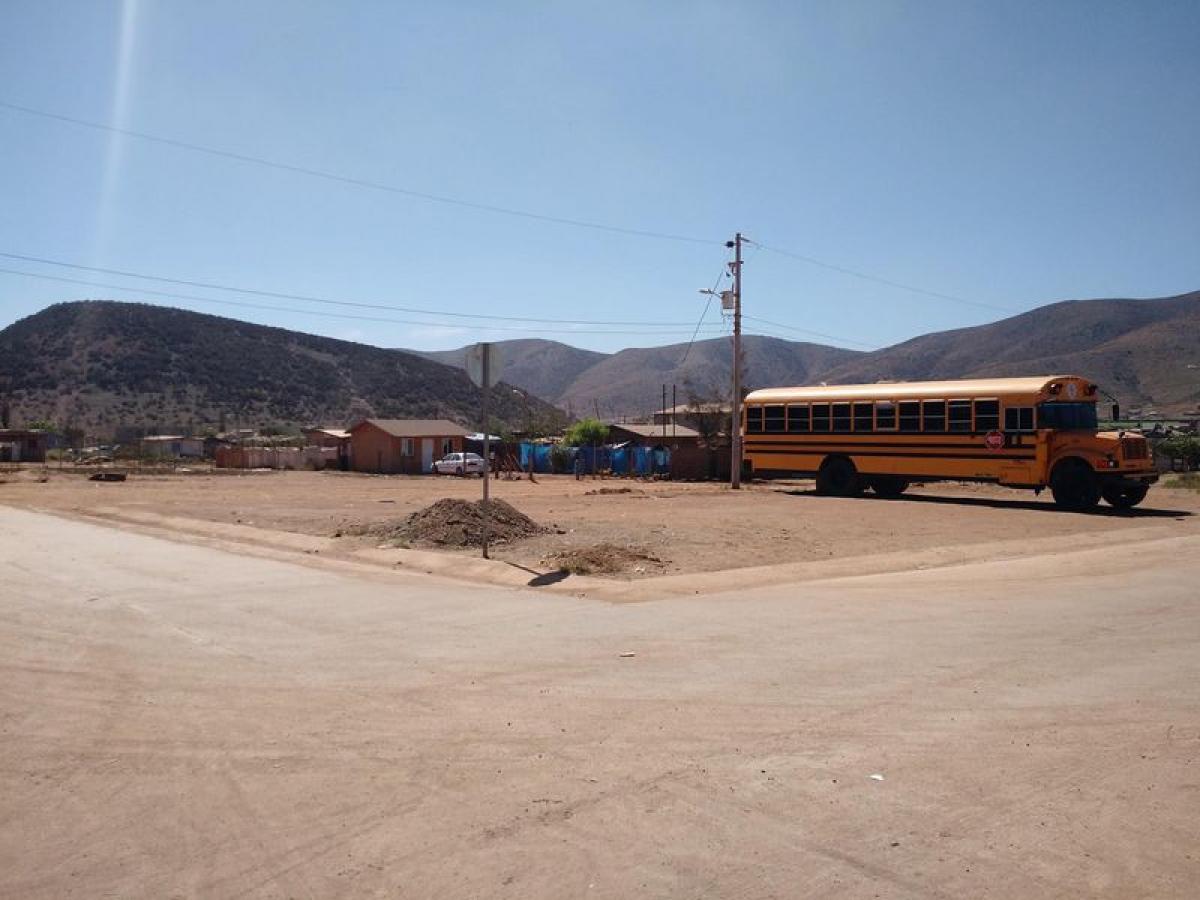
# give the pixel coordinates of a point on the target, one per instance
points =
(182, 721)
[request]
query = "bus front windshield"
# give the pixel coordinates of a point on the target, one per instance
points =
(1068, 416)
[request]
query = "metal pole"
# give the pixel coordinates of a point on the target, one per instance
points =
(664, 411)
(674, 410)
(735, 476)
(487, 383)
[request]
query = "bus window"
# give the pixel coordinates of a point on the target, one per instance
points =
(1018, 418)
(841, 416)
(885, 416)
(773, 419)
(1068, 416)
(797, 419)
(935, 415)
(910, 415)
(960, 415)
(820, 417)
(863, 417)
(754, 422)
(987, 415)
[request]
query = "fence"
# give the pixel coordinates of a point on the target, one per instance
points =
(275, 457)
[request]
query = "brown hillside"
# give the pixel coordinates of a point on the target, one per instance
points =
(104, 366)
(1139, 350)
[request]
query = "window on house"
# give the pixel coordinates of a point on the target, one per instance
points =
(754, 420)
(406, 446)
(447, 446)
(935, 416)
(841, 416)
(773, 421)
(1018, 418)
(797, 419)
(987, 415)
(910, 415)
(820, 417)
(960, 415)
(864, 417)
(885, 416)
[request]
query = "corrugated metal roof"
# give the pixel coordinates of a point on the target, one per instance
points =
(656, 431)
(899, 390)
(415, 427)
(332, 432)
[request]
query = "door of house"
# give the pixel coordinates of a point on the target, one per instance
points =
(426, 455)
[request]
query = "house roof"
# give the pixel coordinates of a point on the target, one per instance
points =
(331, 432)
(656, 431)
(166, 437)
(414, 427)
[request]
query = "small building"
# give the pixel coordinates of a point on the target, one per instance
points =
(175, 446)
(651, 435)
(334, 444)
(402, 446)
(690, 414)
(23, 445)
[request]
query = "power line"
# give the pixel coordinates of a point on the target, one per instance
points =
(700, 322)
(328, 301)
(866, 276)
(820, 334)
(308, 312)
(357, 182)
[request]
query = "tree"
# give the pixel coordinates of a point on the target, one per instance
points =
(586, 431)
(1183, 447)
(708, 412)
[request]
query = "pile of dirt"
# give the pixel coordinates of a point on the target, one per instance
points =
(604, 559)
(459, 523)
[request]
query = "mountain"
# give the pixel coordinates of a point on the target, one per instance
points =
(630, 382)
(1139, 350)
(542, 368)
(104, 365)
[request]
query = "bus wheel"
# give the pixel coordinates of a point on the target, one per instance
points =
(1075, 485)
(1125, 498)
(839, 477)
(888, 485)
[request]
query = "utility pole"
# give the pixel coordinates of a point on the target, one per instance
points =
(487, 445)
(735, 475)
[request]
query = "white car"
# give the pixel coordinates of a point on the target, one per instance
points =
(459, 464)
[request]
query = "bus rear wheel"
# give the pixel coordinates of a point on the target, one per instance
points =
(1124, 498)
(888, 486)
(1075, 486)
(839, 478)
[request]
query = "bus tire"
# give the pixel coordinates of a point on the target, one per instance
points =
(839, 478)
(888, 486)
(1124, 498)
(1075, 486)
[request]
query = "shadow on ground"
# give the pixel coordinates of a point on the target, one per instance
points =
(995, 503)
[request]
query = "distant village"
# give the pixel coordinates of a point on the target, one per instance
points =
(689, 441)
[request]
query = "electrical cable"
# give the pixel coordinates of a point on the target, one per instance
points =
(329, 315)
(357, 182)
(330, 302)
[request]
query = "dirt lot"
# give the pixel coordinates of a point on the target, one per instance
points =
(617, 528)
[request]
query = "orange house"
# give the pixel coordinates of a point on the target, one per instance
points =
(402, 446)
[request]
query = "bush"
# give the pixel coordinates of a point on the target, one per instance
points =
(586, 432)
(1182, 447)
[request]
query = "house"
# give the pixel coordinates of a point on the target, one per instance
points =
(172, 445)
(334, 444)
(691, 414)
(651, 435)
(23, 445)
(402, 446)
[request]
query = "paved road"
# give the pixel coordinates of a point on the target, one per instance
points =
(177, 720)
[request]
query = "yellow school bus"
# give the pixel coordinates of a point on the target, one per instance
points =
(1022, 432)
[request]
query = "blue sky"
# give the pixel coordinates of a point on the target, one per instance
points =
(1008, 154)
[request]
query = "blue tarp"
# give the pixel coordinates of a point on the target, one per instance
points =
(628, 460)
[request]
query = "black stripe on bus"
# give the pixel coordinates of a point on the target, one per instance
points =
(842, 451)
(823, 441)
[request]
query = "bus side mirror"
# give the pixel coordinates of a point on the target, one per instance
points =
(1116, 412)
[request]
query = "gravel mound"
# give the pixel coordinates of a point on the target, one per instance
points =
(604, 559)
(459, 523)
